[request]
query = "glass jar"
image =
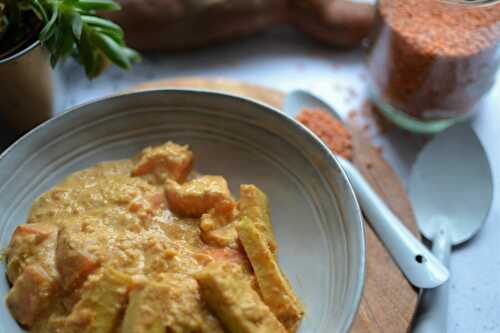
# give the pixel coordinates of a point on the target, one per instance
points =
(431, 62)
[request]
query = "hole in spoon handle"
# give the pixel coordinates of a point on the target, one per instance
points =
(420, 259)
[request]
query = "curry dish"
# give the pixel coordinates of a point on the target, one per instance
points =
(144, 245)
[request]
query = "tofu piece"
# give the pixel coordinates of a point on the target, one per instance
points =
(274, 287)
(255, 206)
(81, 248)
(234, 301)
(215, 219)
(219, 229)
(226, 236)
(143, 311)
(172, 305)
(103, 298)
(32, 243)
(31, 294)
(167, 161)
(198, 196)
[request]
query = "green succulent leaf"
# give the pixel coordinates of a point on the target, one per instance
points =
(115, 36)
(87, 55)
(38, 8)
(3, 20)
(50, 27)
(76, 24)
(89, 5)
(102, 23)
(112, 50)
(132, 54)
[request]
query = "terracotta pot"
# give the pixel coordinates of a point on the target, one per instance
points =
(26, 88)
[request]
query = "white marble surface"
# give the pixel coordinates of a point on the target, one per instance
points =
(284, 60)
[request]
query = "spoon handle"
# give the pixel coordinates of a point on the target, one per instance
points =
(417, 263)
(432, 313)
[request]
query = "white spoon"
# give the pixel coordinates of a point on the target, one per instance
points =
(451, 189)
(417, 263)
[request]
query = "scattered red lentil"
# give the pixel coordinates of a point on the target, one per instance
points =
(330, 130)
(380, 124)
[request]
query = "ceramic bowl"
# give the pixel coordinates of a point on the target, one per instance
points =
(316, 217)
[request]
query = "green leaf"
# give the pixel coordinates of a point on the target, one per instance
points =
(111, 49)
(97, 5)
(54, 59)
(4, 22)
(102, 23)
(86, 54)
(132, 55)
(49, 28)
(66, 42)
(76, 24)
(39, 10)
(55, 48)
(100, 65)
(118, 38)
(91, 58)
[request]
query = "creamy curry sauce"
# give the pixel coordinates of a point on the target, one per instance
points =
(138, 246)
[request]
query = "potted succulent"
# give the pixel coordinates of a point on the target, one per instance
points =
(37, 34)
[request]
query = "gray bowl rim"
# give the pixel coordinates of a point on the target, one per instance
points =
(359, 288)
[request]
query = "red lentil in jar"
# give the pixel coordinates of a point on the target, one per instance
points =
(432, 61)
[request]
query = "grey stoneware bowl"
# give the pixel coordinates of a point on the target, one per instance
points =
(315, 214)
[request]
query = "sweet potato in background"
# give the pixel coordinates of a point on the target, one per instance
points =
(187, 24)
(341, 23)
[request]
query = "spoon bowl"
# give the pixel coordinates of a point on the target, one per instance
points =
(457, 165)
(298, 100)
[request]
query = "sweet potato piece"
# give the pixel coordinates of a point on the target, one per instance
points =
(32, 243)
(80, 250)
(199, 195)
(275, 288)
(42, 325)
(235, 302)
(171, 305)
(225, 254)
(31, 294)
(254, 205)
(166, 161)
(228, 256)
(103, 297)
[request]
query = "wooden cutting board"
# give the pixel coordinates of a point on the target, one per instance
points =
(389, 301)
